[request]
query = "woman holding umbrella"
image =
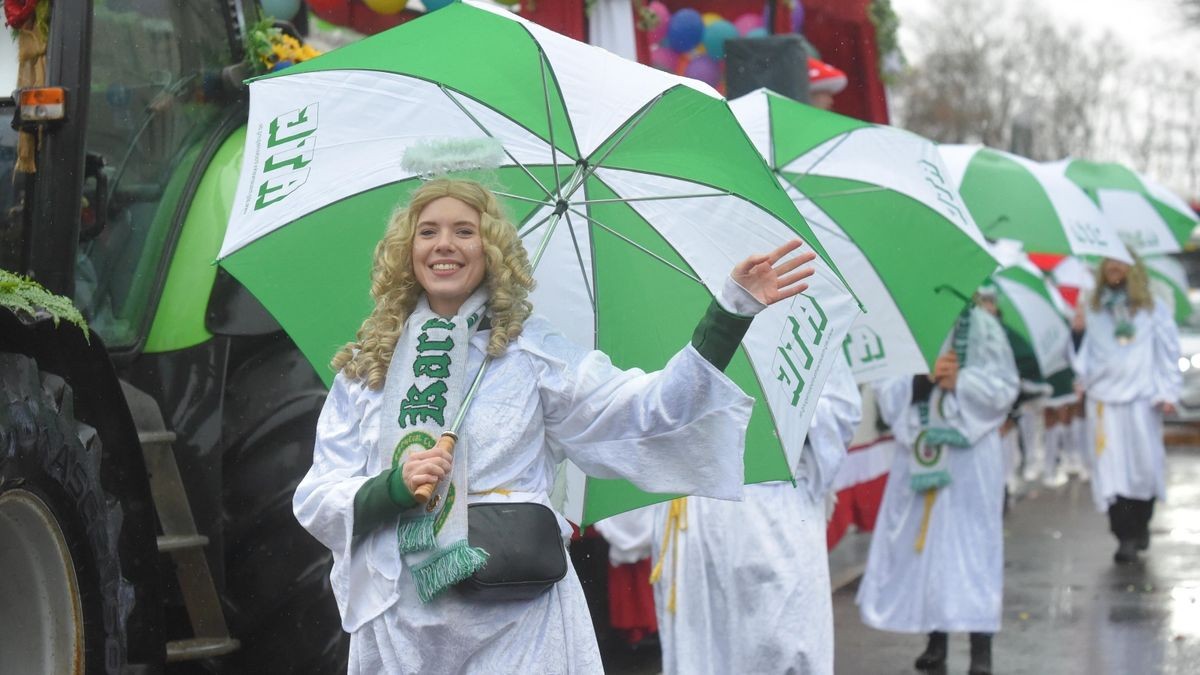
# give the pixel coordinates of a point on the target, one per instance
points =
(450, 284)
(1127, 366)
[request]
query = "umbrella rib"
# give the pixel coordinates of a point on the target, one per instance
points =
(550, 127)
(492, 136)
(829, 152)
(535, 226)
(592, 166)
(521, 198)
(638, 246)
(579, 257)
(623, 200)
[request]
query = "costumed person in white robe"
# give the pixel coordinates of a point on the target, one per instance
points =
(450, 283)
(743, 587)
(1127, 364)
(936, 562)
(1033, 389)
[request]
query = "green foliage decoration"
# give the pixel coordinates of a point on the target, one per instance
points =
(22, 294)
(887, 28)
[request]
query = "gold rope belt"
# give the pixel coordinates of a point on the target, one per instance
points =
(676, 522)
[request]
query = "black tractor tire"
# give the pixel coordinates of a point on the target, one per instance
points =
(51, 499)
(278, 598)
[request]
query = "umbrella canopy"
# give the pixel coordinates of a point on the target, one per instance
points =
(1028, 307)
(635, 189)
(1015, 198)
(1168, 280)
(881, 205)
(1150, 218)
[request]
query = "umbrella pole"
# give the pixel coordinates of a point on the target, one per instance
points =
(449, 437)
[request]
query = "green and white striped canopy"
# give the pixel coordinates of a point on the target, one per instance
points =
(1028, 306)
(1150, 218)
(881, 204)
(1015, 198)
(1168, 280)
(639, 187)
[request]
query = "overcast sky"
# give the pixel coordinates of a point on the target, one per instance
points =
(1150, 28)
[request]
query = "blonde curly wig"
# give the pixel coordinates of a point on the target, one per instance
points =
(395, 290)
(1137, 286)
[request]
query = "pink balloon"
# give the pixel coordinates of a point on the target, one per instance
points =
(747, 22)
(704, 68)
(656, 34)
(663, 58)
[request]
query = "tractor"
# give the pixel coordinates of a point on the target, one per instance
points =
(147, 461)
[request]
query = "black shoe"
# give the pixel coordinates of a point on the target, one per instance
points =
(1143, 542)
(1126, 552)
(981, 654)
(934, 656)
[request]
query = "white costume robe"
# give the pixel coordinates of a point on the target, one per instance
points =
(681, 429)
(1124, 383)
(751, 579)
(956, 582)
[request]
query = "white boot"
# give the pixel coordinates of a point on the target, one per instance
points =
(1053, 475)
(1031, 424)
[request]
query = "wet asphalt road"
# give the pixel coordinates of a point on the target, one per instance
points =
(1067, 607)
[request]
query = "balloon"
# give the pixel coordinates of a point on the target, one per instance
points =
(759, 32)
(710, 17)
(715, 36)
(435, 5)
(663, 58)
(705, 69)
(656, 34)
(283, 10)
(747, 22)
(798, 18)
(685, 30)
(386, 6)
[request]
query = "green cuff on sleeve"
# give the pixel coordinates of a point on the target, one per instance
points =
(379, 500)
(719, 333)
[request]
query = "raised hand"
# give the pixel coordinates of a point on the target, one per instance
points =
(769, 280)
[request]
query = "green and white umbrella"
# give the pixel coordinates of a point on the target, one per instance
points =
(636, 189)
(881, 205)
(1168, 280)
(1150, 218)
(1030, 306)
(1012, 197)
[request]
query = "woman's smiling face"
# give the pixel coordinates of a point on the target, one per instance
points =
(447, 253)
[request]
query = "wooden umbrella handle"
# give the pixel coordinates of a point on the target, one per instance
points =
(446, 442)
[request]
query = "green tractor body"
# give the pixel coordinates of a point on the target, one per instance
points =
(151, 460)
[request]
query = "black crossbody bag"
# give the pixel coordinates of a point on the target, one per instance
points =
(525, 550)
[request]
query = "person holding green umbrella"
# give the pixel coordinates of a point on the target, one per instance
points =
(450, 283)
(1127, 367)
(936, 564)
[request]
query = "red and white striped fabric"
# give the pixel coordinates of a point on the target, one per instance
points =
(863, 475)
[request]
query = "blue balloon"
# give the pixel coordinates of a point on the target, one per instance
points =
(434, 5)
(715, 36)
(757, 33)
(685, 30)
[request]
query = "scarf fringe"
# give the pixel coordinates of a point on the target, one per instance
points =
(448, 567)
(932, 480)
(416, 534)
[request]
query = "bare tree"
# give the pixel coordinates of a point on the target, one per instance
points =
(982, 67)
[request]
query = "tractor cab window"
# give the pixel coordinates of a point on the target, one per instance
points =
(10, 189)
(156, 97)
